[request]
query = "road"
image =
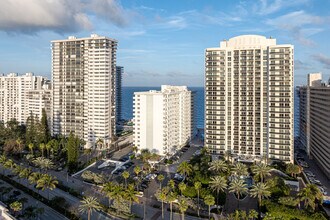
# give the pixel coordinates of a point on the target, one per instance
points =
(74, 202)
(49, 213)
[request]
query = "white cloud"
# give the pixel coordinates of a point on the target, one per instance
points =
(265, 7)
(59, 15)
(299, 24)
(323, 59)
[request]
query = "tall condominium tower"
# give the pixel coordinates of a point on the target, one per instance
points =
(84, 88)
(16, 99)
(314, 115)
(249, 98)
(119, 77)
(163, 120)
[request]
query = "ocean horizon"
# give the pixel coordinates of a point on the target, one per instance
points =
(127, 102)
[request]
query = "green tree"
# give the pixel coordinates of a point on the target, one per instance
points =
(218, 166)
(108, 189)
(261, 170)
(209, 201)
(185, 168)
(47, 182)
(31, 130)
(260, 191)
(42, 147)
(160, 179)
(218, 183)
(45, 133)
(171, 197)
(238, 187)
(198, 186)
(182, 187)
(125, 175)
(183, 205)
(89, 205)
(161, 194)
(16, 207)
(25, 173)
(72, 152)
(311, 195)
(239, 169)
(31, 146)
(131, 195)
(253, 214)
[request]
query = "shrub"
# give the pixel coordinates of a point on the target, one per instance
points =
(190, 192)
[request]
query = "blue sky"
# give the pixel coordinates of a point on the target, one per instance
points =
(162, 42)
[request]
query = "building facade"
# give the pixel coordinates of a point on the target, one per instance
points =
(21, 96)
(249, 98)
(119, 77)
(84, 91)
(163, 120)
(314, 117)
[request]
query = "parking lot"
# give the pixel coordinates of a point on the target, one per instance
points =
(314, 174)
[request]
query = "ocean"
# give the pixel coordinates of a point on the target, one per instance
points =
(127, 102)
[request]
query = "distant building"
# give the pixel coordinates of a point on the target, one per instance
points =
(314, 120)
(163, 120)
(21, 96)
(84, 91)
(119, 77)
(249, 99)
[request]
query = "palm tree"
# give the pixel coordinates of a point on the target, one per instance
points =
(253, 214)
(17, 169)
(16, 206)
(3, 160)
(19, 142)
(239, 169)
(238, 187)
(25, 173)
(9, 164)
(131, 195)
(89, 204)
(209, 200)
(228, 154)
(182, 187)
(218, 183)
(99, 143)
(261, 170)
(161, 194)
(183, 205)
(185, 169)
(31, 146)
(87, 152)
(171, 197)
(34, 177)
(218, 166)
(107, 190)
(198, 186)
(171, 184)
(160, 179)
(47, 182)
(310, 195)
(42, 147)
(135, 149)
(125, 175)
(48, 147)
(47, 164)
(260, 191)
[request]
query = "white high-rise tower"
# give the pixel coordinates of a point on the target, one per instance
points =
(249, 98)
(84, 88)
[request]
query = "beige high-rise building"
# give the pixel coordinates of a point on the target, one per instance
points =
(314, 134)
(84, 90)
(21, 96)
(249, 98)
